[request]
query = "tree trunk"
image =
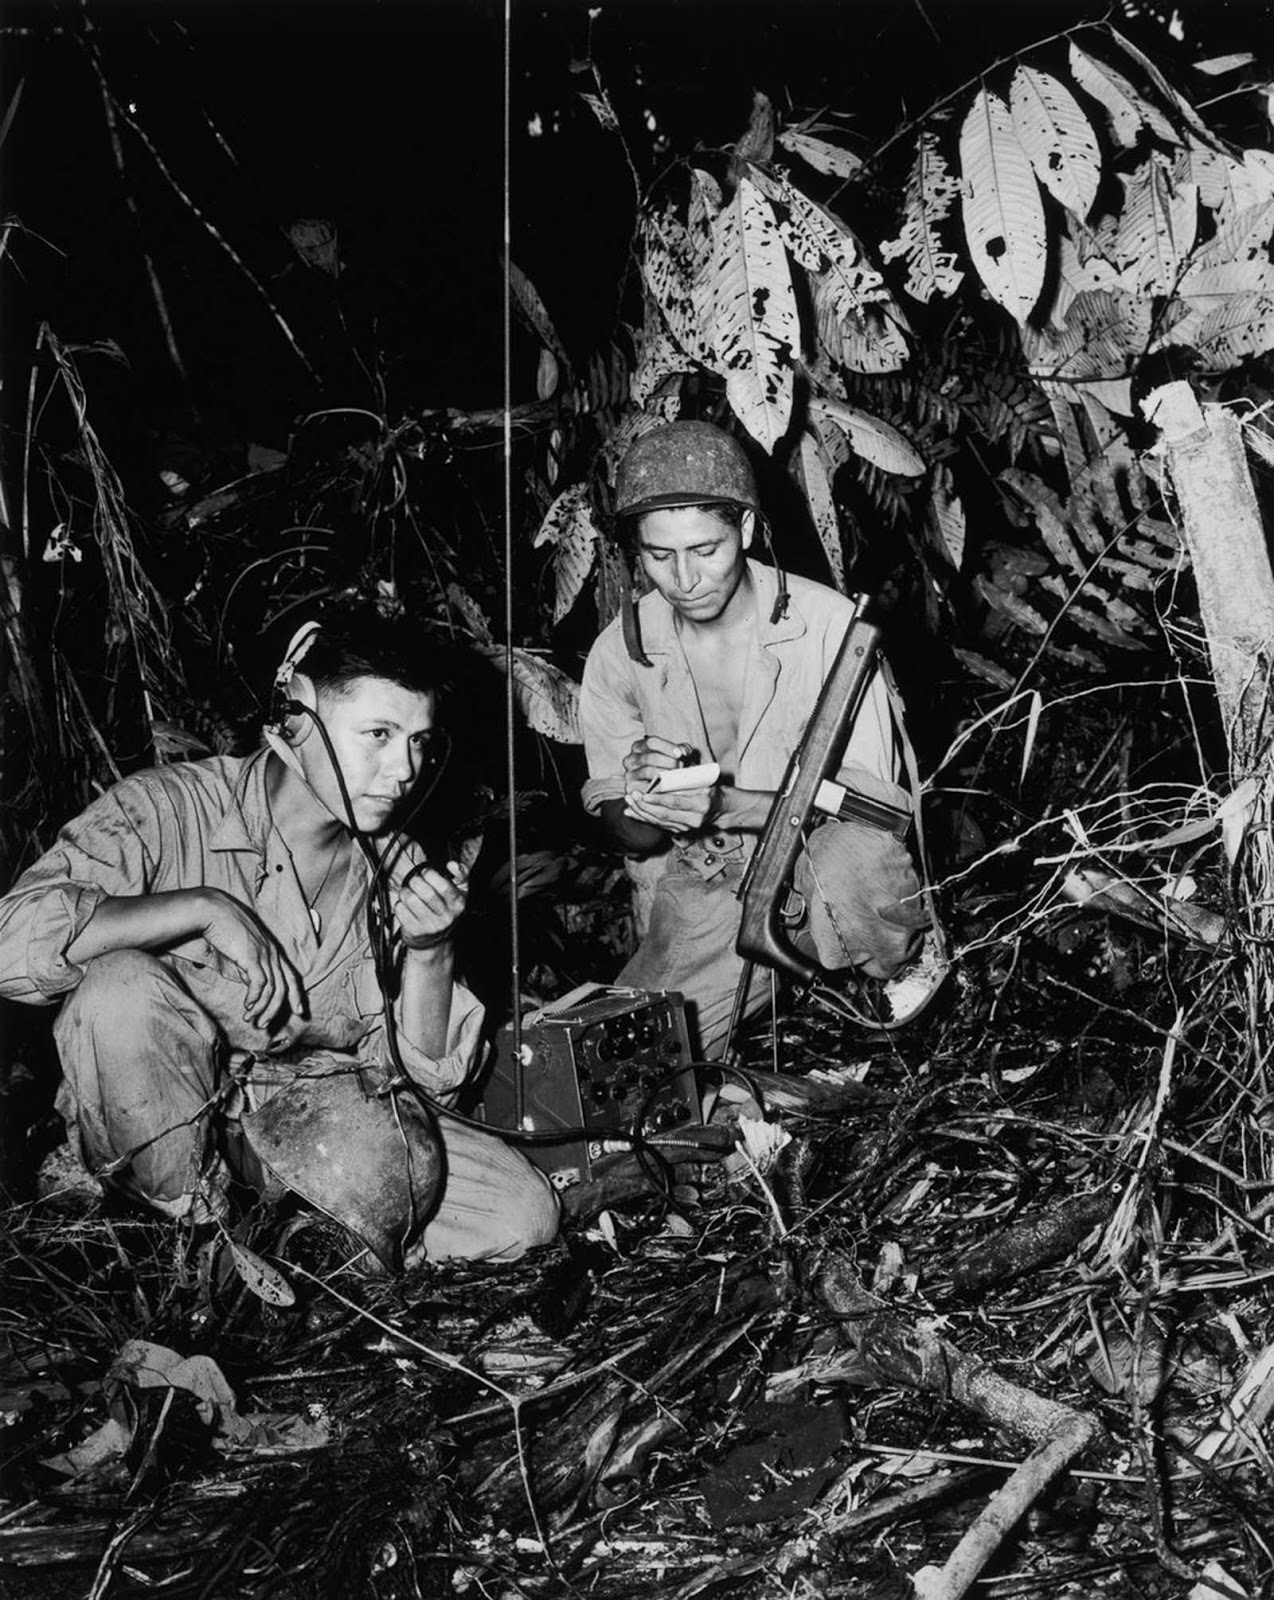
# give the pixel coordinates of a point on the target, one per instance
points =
(1205, 456)
(1206, 459)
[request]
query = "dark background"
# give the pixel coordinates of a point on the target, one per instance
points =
(386, 119)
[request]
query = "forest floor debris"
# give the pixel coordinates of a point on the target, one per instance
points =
(823, 1380)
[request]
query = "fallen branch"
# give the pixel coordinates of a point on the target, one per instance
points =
(1031, 1243)
(1004, 1509)
(888, 1350)
(904, 1504)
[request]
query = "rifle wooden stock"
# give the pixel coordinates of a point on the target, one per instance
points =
(769, 873)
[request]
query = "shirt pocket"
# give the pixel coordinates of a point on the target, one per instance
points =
(366, 998)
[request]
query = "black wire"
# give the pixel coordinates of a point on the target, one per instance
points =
(384, 965)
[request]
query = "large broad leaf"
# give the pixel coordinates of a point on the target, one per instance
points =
(815, 475)
(570, 528)
(1227, 186)
(1157, 228)
(1058, 138)
(1244, 240)
(872, 341)
(846, 285)
(837, 451)
(659, 356)
(1179, 105)
(1208, 289)
(1003, 212)
(1127, 111)
(703, 210)
(931, 189)
(1105, 335)
(549, 700)
(1080, 269)
(670, 267)
(870, 438)
(813, 236)
(755, 332)
(828, 159)
(1241, 326)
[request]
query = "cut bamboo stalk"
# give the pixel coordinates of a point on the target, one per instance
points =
(1102, 891)
(1222, 523)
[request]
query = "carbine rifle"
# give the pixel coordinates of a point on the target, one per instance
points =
(807, 785)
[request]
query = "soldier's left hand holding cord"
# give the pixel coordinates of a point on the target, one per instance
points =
(427, 902)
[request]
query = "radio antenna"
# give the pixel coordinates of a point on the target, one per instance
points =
(510, 699)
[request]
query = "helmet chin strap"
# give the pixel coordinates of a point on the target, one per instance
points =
(779, 609)
(630, 620)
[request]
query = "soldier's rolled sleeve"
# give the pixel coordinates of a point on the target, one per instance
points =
(38, 924)
(439, 1076)
(610, 720)
(102, 853)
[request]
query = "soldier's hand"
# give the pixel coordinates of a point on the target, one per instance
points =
(428, 901)
(684, 812)
(237, 933)
(649, 756)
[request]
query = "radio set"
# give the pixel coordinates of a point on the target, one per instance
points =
(607, 1060)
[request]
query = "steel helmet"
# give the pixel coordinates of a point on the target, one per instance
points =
(373, 1163)
(684, 464)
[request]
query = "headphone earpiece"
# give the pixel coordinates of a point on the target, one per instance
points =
(282, 705)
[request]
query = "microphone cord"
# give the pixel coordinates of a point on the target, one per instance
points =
(384, 954)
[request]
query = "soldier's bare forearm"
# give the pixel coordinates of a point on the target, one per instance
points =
(142, 922)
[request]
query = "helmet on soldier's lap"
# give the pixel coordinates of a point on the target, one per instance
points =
(684, 464)
(372, 1162)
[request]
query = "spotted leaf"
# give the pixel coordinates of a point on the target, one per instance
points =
(570, 529)
(755, 331)
(814, 472)
(931, 190)
(1003, 212)
(1057, 137)
(548, 698)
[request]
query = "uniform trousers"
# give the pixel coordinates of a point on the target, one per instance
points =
(859, 905)
(147, 1084)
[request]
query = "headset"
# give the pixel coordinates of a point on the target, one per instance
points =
(380, 929)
